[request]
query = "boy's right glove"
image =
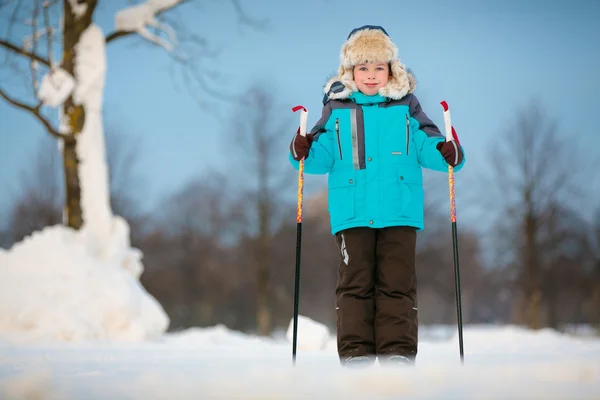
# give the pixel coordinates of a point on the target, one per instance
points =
(451, 151)
(300, 145)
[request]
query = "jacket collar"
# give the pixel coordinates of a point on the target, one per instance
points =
(361, 98)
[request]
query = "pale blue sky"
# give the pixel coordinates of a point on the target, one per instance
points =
(485, 58)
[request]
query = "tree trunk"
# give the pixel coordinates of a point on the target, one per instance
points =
(73, 215)
(551, 295)
(86, 170)
(73, 114)
(263, 314)
(533, 295)
(594, 311)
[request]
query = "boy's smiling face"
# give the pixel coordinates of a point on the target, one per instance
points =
(371, 77)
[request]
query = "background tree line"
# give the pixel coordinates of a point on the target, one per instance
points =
(221, 249)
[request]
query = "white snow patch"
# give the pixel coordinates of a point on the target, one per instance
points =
(217, 363)
(218, 335)
(311, 335)
(90, 67)
(56, 87)
(54, 288)
(78, 8)
(90, 71)
(138, 17)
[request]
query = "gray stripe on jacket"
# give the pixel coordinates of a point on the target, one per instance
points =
(357, 129)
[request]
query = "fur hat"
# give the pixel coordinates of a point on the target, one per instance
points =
(371, 43)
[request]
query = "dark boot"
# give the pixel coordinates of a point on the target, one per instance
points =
(355, 293)
(396, 328)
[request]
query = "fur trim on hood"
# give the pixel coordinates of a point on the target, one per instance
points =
(370, 44)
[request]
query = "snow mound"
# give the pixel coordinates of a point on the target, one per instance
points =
(312, 335)
(219, 335)
(60, 285)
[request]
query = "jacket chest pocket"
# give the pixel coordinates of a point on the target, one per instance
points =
(407, 133)
(338, 139)
(347, 143)
(402, 137)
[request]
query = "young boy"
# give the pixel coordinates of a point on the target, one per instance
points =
(373, 139)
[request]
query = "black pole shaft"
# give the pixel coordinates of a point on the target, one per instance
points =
(297, 288)
(457, 290)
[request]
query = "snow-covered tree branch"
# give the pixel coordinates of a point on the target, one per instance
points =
(139, 17)
(188, 50)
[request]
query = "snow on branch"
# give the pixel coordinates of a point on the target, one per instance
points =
(79, 8)
(139, 17)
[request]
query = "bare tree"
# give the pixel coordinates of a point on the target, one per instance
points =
(531, 176)
(39, 198)
(193, 253)
(435, 271)
(257, 136)
(319, 268)
(126, 194)
(592, 277)
(199, 222)
(39, 203)
(74, 82)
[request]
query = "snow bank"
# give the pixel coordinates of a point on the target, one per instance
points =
(312, 335)
(218, 335)
(56, 286)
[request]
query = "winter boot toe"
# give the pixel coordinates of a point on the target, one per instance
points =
(358, 361)
(396, 360)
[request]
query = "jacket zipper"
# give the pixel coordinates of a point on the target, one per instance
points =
(407, 133)
(337, 130)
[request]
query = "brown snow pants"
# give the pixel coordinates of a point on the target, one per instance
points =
(376, 292)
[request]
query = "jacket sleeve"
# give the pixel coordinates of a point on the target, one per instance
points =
(319, 159)
(426, 136)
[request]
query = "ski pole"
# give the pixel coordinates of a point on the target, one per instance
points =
(301, 131)
(450, 135)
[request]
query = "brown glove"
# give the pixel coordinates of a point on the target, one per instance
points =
(300, 145)
(451, 151)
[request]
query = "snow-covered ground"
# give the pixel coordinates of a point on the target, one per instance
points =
(75, 323)
(216, 363)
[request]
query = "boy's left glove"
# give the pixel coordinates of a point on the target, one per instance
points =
(451, 151)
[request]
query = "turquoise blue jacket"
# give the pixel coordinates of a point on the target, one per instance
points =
(374, 149)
